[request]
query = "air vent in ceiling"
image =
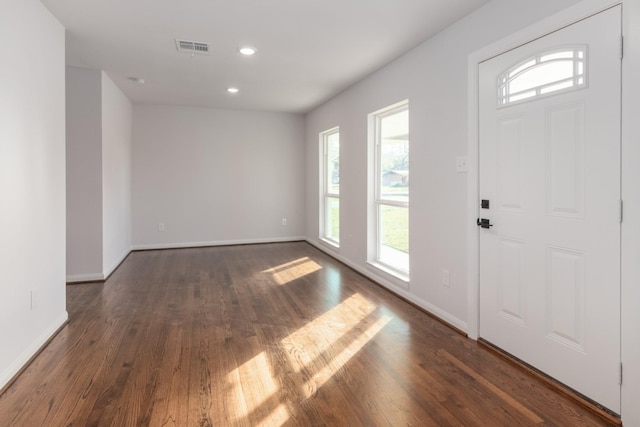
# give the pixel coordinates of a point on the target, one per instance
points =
(192, 47)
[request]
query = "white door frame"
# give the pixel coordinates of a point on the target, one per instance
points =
(555, 22)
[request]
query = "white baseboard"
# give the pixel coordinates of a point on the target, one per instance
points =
(142, 247)
(437, 311)
(107, 272)
(92, 277)
(7, 374)
(425, 305)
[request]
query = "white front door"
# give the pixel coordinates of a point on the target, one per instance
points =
(550, 183)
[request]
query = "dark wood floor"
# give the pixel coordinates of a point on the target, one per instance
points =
(276, 334)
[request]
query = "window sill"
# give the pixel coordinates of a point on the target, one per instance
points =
(400, 277)
(330, 243)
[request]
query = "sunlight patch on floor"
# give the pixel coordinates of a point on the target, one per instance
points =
(277, 417)
(321, 333)
(336, 363)
(293, 270)
(315, 353)
(252, 385)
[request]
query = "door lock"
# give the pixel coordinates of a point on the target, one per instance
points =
(484, 223)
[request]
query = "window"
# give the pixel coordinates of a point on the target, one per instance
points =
(557, 70)
(390, 210)
(330, 186)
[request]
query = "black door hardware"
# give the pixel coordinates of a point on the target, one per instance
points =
(484, 204)
(484, 223)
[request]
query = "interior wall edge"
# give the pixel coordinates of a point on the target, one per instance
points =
(8, 374)
(114, 266)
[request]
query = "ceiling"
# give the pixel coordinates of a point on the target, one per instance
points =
(308, 50)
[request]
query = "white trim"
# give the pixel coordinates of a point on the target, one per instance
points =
(392, 109)
(388, 270)
(374, 243)
(143, 247)
(109, 271)
(91, 277)
(370, 274)
(7, 374)
(565, 17)
(325, 193)
(334, 246)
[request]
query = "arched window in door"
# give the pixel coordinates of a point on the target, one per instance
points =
(561, 69)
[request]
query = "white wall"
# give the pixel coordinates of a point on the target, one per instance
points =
(84, 174)
(99, 126)
(216, 176)
(434, 79)
(32, 181)
(117, 116)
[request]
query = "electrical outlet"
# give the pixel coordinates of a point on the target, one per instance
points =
(446, 278)
(161, 227)
(461, 164)
(284, 221)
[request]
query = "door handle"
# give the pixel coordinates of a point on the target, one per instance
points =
(484, 223)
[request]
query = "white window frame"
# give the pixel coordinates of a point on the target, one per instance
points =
(375, 240)
(325, 189)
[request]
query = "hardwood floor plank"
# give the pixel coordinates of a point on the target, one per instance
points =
(530, 415)
(266, 335)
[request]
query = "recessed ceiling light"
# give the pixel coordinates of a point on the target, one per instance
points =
(247, 50)
(233, 90)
